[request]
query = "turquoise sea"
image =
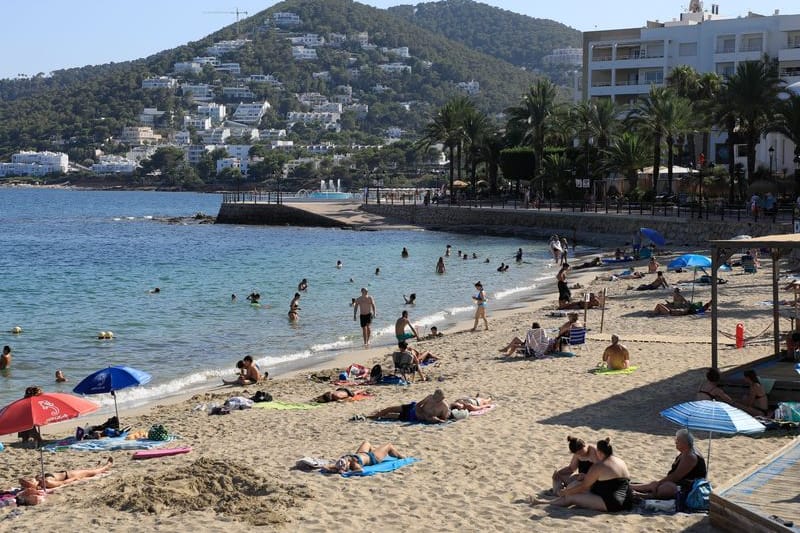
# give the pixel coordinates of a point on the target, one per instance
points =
(78, 262)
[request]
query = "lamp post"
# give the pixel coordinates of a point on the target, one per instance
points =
(771, 156)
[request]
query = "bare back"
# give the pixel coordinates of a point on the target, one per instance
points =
(365, 305)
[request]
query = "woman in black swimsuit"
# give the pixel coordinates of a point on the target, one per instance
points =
(366, 455)
(710, 390)
(687, 467)
(583, 457)
(605, 487)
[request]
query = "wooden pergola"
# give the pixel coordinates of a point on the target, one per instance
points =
(721, 252)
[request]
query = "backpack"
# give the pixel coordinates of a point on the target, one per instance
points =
(262, 396)
(697, 497)
(376, 374)
(158, 432)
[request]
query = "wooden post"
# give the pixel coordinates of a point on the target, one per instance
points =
(603, 308)
(776, 317)
(715, 264)
(585, 307)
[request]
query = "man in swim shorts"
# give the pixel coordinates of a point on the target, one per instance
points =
(365, 307)
(400, 328)
(432, 409)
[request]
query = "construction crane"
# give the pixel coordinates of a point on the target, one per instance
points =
(236, 12)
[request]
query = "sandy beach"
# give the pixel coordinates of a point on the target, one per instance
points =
(473, 475)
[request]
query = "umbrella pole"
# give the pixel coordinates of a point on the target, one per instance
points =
(41, 460)
(708, 457)
(116, 410)
(693, 278)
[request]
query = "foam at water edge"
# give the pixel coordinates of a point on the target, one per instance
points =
(516, 290)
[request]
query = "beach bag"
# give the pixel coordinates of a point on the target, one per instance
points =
(262, 396)
(697, 497)
(788, 412)
(158, 432)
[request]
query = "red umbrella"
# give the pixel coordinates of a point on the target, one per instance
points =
(40, 410)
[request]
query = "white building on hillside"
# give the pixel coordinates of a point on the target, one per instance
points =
(150, 115)
(198, 123)
(286, 19)
(161, 82)
(264, 78)
(224, 47)
(200, 92)
(229, 162)
(187, 67)
(401, 51)
(233, 68)
(328, 107)
(216, 136)
(312, 116)
(245, 131)
(206, 60)
(35, 164)
(394, 68)
(114, 164)
(622, 64)
(139, 135)
(301, 53)
(250, 113)
(309, 39)
(238, 93)
(216, 112)
(272, 133)
(471, 87)
(564, 56)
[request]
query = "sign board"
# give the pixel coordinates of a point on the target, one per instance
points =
(587, 183)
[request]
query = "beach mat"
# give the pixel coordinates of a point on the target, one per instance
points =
(609, 372)
(561, 354)
(358, 396)
(105, 445)
(387, 465)
(286, 406)
(165, 452)
(482, 411)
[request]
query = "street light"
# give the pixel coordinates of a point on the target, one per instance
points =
(771, 155)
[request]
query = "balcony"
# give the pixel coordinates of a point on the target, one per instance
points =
(790, 75)
(600, 58)
(789, 54)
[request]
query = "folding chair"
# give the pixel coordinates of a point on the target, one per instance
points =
(404, 364)
(577, 337)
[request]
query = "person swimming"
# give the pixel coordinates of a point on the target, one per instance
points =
(338, 264)
(412, 298)
(60, 377)
(378, 271)
(303, 285)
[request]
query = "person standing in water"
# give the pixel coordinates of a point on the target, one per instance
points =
(440, 269)
(303, 285)
(518, 256)
(564, 294)
(480, 311)
(365, 307)
(404, 253)
(338, 264)
(447, 251)
(5, 359)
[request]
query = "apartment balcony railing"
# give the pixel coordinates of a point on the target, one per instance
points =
(725, 50)
(601, 84)
(601, 58)
(753, 48)
(789, 72)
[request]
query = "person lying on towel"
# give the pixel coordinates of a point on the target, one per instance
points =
(366, 455)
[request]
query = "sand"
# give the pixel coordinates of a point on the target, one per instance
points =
(473, 475)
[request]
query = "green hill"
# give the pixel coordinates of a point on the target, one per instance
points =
(515, 38)
(80, 109)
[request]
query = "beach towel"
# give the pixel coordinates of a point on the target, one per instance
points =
(105, 445)
(358, 396)
(482, 411)
(610, 372)
(561, 354)
(390, 464)
(286, 406)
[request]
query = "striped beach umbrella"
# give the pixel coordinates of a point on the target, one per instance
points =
(714, 417)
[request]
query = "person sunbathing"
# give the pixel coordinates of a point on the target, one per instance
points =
(688, 466)
(657, 283)
(693, 309)
(65, 477)
(334, 396)
(471, 404)
(583, 457)
(589, 264)
(594, 301)
(432, 409)
(366, 455)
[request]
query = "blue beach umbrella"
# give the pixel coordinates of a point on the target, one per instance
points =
(693, 261)
(111, 379)
(714, 417)
(653, 235)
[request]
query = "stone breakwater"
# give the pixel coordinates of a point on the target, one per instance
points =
(273, 215)
(589, 228)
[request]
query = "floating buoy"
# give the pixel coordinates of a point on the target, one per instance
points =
(101, 335)
(105, 335)
(109, 334)
(16, 330)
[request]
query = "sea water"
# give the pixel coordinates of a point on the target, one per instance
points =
(75, 263)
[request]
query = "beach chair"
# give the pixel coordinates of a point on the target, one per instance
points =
(404, 364)
(577, 337)
(537, 343)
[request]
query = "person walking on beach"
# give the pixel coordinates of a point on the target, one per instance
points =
(365, 307)
(5, 359)
(480, 310)
(400, 328)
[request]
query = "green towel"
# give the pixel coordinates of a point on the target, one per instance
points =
(286, 406)
(609, 372)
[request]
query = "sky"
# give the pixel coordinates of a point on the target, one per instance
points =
(46, 35)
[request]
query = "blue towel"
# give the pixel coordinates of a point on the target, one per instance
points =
(389, 464)
(104, 445)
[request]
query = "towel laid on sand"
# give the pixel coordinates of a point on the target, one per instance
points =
(286, 406)
(105, 445)
(483, 410)
(610, 372)
(389, 464)
(358, 396)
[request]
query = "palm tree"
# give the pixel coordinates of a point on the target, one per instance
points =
(627, 155)
(447, 127)
(604, 121)
(475, 129)
(677, 119)
(724, 116)
(648, 116)
(753, 92)
(536, 117)
(788, 122)
(493, 144)
(557, 167)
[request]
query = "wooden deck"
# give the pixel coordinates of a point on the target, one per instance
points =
(786, 387)
(768, 490)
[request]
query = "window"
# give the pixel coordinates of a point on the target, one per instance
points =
(752, 43)
(653, 76)
(687, 49)
(726, 45)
